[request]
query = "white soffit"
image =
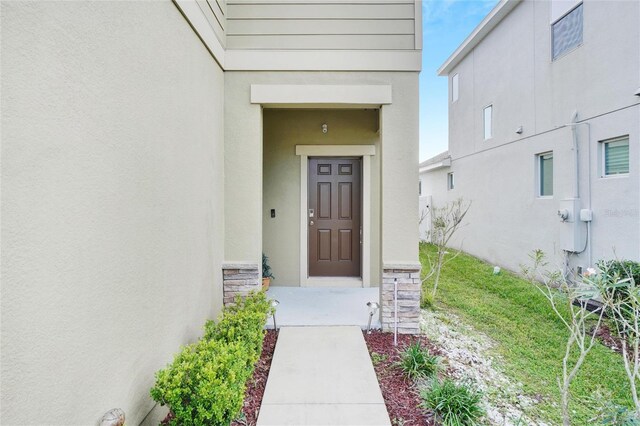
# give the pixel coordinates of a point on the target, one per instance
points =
(291, 94)
(502, 9)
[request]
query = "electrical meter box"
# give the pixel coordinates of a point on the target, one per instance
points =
(572, 235)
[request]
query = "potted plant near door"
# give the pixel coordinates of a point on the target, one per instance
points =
(267, 275)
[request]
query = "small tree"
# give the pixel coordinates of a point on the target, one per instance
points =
(568, 301)
(445, 221)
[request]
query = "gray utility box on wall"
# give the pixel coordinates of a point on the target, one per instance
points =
(573, 230)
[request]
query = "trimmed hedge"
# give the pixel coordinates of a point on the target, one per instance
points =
(205, 383)
(242, 322)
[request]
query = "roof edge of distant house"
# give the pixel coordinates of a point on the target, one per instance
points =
(497, 14)
(437, 162)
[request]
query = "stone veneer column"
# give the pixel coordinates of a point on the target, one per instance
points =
(239, 279)
(409, 285)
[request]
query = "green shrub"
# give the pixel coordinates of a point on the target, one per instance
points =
(620, 416)
(206, 381)
(623, 268)
(415, 362)
(616, 271)
(205, 384)
(454, 405)
(620, 270)
(243, 321)
(610, 413)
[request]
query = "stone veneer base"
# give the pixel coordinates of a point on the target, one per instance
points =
(409, 289)
(239, 279)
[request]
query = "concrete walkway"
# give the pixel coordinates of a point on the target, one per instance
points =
(322, 376)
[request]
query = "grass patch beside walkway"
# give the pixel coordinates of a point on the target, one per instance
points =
(529, 337)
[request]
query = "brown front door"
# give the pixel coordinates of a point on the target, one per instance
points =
(334, 217)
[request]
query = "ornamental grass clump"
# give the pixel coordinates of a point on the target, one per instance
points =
(416, 362)
(205, 383)
(453, 404)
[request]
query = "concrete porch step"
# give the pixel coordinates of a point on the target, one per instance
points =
(329, 306)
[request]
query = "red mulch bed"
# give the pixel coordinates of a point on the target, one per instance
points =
(258, 382)
(611, 340)
(608, 339)
(399, 393)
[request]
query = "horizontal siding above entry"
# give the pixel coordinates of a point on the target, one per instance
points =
(277, 11)
(320, 26)
(322, 42)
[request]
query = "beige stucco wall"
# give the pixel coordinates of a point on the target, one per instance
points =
(283, 130)
(399, 128)
(398, 158)
(112, 214)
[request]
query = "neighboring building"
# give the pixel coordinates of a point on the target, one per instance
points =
(544, 128)
(424, 205)
(150, 149)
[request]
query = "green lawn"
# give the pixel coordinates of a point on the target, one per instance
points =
(529, 337)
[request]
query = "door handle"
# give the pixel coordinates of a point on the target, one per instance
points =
(311, 223)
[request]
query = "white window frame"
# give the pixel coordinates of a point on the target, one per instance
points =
(539, 158)
(603, 158)
(451, 181)
(455, 88)
(484, 122)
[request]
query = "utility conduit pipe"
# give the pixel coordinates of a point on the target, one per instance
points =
(574, 124)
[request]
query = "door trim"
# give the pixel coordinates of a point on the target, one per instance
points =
(364, 151)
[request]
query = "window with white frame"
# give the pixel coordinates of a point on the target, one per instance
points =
(450, 181)
(454, 88)
(566, 32)
(487, 116)
(545, 174)
(615, 156)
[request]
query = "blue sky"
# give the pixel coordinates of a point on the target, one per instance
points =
(446, 23)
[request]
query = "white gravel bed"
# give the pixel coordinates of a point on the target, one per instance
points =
(468, 353)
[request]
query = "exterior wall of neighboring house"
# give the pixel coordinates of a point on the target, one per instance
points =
(512, 70)
(283, 130)
(112, 204)
(425, 208)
